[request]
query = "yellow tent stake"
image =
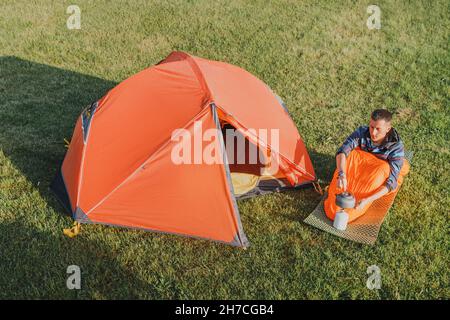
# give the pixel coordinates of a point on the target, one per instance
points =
(74, 231)
(66, 143)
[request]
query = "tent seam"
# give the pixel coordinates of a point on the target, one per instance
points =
(199, 75)
(85, 144)
(241, 235)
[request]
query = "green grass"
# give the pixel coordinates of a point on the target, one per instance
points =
(330, 70)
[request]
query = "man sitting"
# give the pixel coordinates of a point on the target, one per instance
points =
(370, 164)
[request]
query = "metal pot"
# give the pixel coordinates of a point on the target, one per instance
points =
(345, 200)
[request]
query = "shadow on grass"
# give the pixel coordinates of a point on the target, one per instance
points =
(324, 165)
(35, 266)
(39, 106)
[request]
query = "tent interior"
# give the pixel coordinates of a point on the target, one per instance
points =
(249, 168)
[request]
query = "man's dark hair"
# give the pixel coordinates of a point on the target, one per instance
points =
(381, 114)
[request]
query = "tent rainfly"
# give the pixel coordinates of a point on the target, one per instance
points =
(120, 169)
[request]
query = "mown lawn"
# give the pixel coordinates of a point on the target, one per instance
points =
(330, 69)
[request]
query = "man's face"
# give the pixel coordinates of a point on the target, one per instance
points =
(378, 130)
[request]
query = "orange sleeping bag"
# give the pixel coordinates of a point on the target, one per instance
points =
(365, 174)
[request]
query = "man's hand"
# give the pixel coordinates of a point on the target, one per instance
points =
(361, 204)
(377, 195)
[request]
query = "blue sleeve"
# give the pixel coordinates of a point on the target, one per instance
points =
(351, 142)
(395, 159)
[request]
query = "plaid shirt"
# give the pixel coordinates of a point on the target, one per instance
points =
(391, 150)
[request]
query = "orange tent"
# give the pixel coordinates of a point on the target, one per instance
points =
(119, 168)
